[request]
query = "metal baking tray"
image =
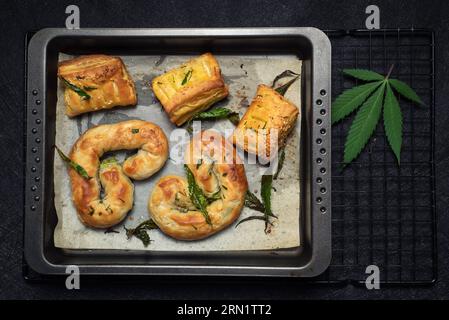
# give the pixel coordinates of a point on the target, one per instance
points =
(309, 44)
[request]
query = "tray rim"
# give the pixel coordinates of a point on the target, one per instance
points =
(321, 225)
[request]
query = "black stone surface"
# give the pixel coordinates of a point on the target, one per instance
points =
(18, 17)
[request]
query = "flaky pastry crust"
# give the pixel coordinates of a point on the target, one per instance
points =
(104, 81)
(118, 200)
(191, 88)
(221, 176)
(269, 114)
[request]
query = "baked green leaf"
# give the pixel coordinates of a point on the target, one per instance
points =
(281, 159)
(107, 162)
(363, 74)
(83, 94)
(89, 88)
(284, 74)
(215, 114)
(79, 169)
(265, 193)
(140, 232)
(363, 125)
(404, 89)
(282, 89)
(254, 218)
(197, 196)
(351, 99)
(252, 202)
(393, 122)
(264, 206)
(187, 77)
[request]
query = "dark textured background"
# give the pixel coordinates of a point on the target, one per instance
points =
(18, 17)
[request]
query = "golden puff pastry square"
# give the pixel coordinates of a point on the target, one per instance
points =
(269, 115)
(95, 82)
(191, 88)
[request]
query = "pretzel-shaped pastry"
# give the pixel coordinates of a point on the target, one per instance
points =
(216, 169)
(118, 200)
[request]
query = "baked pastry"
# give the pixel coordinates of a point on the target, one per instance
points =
(218, 171)
(118, 200)
(191, 88)
(266, 124)
(95, 82)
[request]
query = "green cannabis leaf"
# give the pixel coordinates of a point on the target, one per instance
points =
(187, 77)
(362, 74)
(403, 89)
(281, 159)
(79, 169)
(371, 98)
(197, 196)
(252, 202)
(363, 125)
(286, 74)
(265, 193)
(83, 94)
(393, 122)
(215, 114)
(140, 231)
(89, 88)
(351, 99)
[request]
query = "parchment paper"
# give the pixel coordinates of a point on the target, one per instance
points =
(242, 74)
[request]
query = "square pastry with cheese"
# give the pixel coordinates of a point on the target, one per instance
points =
(191, 88)
(266, 124)
(95, 82)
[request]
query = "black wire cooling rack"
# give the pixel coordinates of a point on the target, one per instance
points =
(384, 214)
